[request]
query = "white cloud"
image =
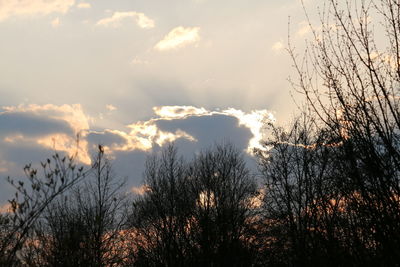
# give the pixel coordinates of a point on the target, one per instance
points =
(11, 8)
(179, 37)
(84, 5)
(55, 22)
(144, 135)
(255, 121)
(115, 20)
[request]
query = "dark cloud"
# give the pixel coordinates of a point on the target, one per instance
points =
(207, 130)
(31, 124)
(105, 138)
(210, 129)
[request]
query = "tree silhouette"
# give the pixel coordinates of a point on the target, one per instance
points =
(82, 227)
(350, 78)
(195, 213)
(33, 195)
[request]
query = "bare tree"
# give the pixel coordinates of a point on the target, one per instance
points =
(224, 212)
(33, 195)
(303, 211)
(196, 213)
(83, 227)
(350, 75)
(161, 217)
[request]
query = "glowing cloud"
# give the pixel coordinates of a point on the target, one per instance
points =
(67, 144)
(255, 121)
(179, 37)
(73, 115)
(11, 8)
(143, 136)
(178, 112)
(115, 20)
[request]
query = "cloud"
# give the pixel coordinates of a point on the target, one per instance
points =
(84, 5)
(254, 121)
(49, 126)
(72, 114)
(115, 20)
(55, 128)
(12, 8)
(178, 37)
(178, 112)
(16, 125)
(145, 135)
(28, 131)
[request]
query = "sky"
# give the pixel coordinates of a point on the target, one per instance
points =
(135, 75)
